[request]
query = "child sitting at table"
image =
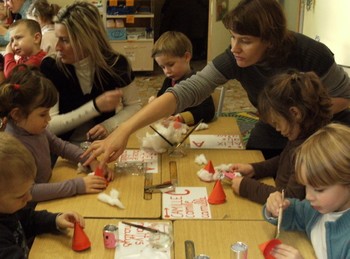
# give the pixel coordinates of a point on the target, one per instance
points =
(297, 105)
(25, 99)
(19, 224)
(25, 35)
(322, 164)
(173, 53)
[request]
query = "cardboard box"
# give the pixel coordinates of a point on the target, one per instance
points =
(116, 33)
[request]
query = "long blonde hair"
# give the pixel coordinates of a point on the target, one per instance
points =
(325, 156)
(88, 38)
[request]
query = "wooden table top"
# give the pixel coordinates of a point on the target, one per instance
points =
(130, 187)
(235, 207)
(60, 246)
(214, 238)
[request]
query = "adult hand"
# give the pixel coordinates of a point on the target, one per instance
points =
(97, 132)
(94, 184)
(67, 219)
(109, 100)
(244, 169)
(110, 148)
(283, 251)
(274, 203)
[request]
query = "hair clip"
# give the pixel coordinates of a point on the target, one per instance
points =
(16, 86)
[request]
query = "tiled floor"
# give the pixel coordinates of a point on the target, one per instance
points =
(235, 97)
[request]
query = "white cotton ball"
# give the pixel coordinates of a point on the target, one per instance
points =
(201, 160)
(114, 193)
(205, 176)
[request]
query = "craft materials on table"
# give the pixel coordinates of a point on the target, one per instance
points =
(215, 142)
(133, 157)
(144, 240)
(186, 203)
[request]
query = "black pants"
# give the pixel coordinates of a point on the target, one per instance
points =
(271, 143)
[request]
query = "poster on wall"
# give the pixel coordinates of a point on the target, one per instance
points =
(221, 9)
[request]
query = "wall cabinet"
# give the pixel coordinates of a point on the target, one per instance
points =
(130, 25)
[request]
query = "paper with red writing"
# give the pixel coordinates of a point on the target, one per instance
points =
(186, 203)
(216, 142)
(134, 242)
(151, 158)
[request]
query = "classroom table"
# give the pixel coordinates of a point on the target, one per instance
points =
(235, 207)
(130, 187)
(60, 246)
(210, 237)
(214, 237)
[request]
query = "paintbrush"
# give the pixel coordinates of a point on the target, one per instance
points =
(171, 144)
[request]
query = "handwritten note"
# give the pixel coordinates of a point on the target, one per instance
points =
(134, 242)
(216, 142)
(151, 159)
(186, 203)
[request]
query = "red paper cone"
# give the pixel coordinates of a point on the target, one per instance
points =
(267, 247)
(80, 239)
(99, 172)
(209, 167)
(217, 195)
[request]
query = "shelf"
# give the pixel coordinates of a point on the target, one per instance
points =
(138, 25)
(143, 15)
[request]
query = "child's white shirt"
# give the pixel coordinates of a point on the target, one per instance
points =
(318, 233)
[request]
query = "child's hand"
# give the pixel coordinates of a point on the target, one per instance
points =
(244, 169)
(94, 184)
(8, 49)
(235, 183)
(274, 203)
(108, 173)
(283, 251)
(67, 219)
(176, 117)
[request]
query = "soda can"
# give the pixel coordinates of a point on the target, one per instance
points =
(110, 236)
(239, 250)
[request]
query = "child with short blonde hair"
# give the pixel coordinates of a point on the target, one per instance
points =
(173, 53)
(18, 223)
(25, 99)
(25, 40)
(322, 165)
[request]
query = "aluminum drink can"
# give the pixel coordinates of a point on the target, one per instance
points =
(110, 236)
(239, 250)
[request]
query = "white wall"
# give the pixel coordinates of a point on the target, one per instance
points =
(218, 35)
(330, 20)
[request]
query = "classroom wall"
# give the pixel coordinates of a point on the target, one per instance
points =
(218, 36)
(329, 21)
